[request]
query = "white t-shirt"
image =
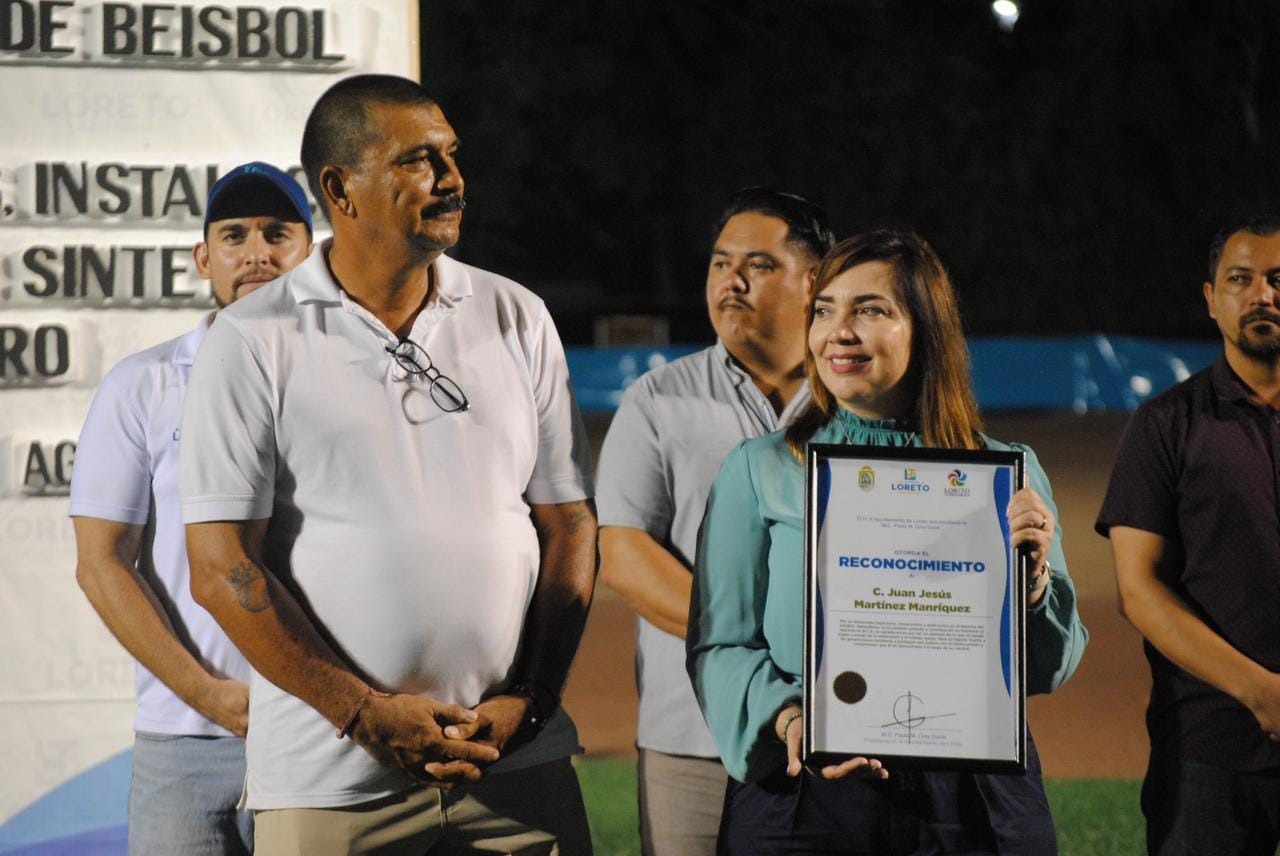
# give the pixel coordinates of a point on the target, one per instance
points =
(404, 529)
(128, 452)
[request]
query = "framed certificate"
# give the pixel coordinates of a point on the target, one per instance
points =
(915, 599)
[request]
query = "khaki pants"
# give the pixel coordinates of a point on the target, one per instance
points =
(680, 803)
(533, 812)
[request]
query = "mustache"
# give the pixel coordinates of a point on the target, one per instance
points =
(256, 276)
(445, 206)
(1259, 315)
(733, 300)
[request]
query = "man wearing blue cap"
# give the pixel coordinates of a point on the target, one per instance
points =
(188, 761)
(257, 226)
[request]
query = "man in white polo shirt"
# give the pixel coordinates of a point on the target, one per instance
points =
(188, 759)
(673, 429)
(386, 487)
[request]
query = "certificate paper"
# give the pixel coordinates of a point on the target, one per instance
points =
(914, 633)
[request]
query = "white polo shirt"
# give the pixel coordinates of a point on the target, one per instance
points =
(404, 529)
(128, 453)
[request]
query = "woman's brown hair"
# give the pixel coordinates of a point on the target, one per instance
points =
(945, 414)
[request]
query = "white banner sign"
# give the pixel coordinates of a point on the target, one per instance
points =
(118, 116)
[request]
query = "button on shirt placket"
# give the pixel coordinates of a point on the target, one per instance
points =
(428, 319)
(1268, 421)
(755, 406)
(1273, 433)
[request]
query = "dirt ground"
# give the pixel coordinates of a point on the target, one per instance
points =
(1091, 728)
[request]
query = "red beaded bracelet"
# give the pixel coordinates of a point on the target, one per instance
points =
(355, 711)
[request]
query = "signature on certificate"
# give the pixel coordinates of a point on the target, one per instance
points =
(908, 713)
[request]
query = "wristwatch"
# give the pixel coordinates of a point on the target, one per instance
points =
(542, 702)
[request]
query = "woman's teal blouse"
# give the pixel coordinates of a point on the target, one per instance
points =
(745, 641)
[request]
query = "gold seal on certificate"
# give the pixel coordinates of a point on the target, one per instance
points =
(914, 634)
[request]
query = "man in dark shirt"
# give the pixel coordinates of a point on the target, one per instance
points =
(1192, 515)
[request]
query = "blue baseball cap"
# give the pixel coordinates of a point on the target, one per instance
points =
(256, 189)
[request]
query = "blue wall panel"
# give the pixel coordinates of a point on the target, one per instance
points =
(1083, 374)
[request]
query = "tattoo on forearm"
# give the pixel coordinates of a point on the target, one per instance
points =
(578, 517)
(250, 586)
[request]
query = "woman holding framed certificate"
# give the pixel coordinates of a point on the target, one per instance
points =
(887, 366)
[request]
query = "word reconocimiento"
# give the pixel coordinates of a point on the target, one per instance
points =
(894, 563)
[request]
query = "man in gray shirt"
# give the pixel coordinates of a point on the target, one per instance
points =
(664, 448)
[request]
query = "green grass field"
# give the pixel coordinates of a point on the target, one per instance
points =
(1094, 818)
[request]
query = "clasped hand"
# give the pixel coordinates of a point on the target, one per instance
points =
(436, 743)
(1032, 525)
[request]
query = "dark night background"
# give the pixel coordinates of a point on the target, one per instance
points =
(1070, 172)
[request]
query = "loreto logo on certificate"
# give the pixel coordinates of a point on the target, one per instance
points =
(914, 639)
